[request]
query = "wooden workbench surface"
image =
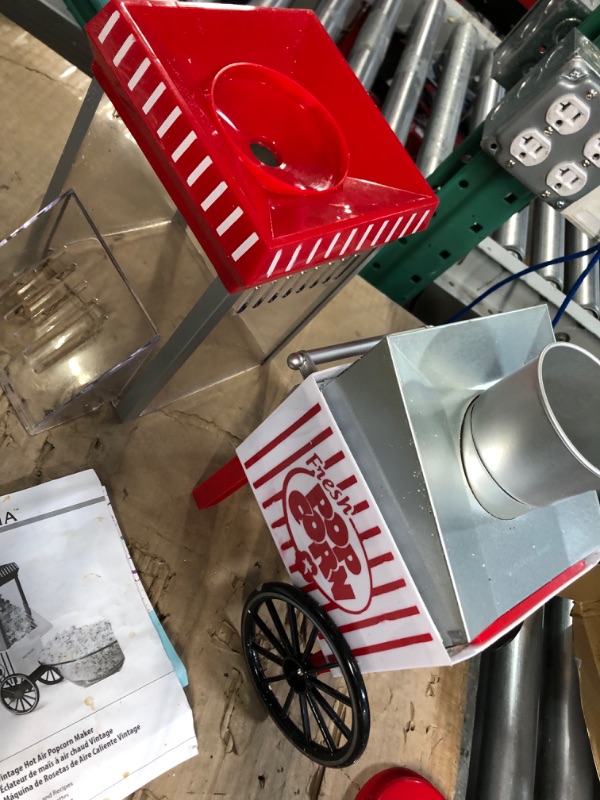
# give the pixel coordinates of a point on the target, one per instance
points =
(199, 567)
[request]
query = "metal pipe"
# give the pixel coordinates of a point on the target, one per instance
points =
(333, 15)
(548, 241)
(565, 769)
(588, 294)
(440, 135)
(373, 40)
(523, 446)
(513, 234)
(489, 92)
(408, 81)
(307, 361)
(508, 751)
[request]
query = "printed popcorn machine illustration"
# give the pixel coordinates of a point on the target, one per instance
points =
(84, 654)
(21, 632)
(425, 499)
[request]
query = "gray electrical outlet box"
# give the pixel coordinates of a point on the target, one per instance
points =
(546, 129)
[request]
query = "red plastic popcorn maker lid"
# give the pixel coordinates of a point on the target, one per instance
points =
(270, 147)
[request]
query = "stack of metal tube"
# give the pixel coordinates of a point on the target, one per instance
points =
(531, 740)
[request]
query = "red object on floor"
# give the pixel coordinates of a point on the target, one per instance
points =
(261, 133)
(224, 482)
(398, 783)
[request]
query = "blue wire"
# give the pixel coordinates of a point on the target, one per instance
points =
(572, 256)
(575, 287)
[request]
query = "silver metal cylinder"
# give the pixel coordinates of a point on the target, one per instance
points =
(440, 135)
(513, 234)
(588, 294)
(508, 749)
(534, 437)
(333, 15)
(489, 92)
(565, 769)
(373, 40)
(408, 81)
(548, 240)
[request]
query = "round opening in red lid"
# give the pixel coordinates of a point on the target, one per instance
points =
(282, 132)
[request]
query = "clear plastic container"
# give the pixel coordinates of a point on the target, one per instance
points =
(72, 331)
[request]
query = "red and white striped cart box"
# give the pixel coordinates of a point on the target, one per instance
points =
(332, 537)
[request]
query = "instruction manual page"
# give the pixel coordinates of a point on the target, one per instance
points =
(90, 703)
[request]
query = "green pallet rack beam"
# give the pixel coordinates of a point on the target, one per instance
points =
(477, 195)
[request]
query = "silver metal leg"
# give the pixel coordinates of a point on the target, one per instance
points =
(206, 313)
(90, 104)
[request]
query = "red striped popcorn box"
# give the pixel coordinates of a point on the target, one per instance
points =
(332, 538)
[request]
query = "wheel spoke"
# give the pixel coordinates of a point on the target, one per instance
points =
(288, 703)
(310, 643)
(275, 678)
(270, 636)
(332, 714)
(322, 725)
(267, 654)
(331, 691)
(279, 625)
(294, 630)
(326, 666)
(305, 719)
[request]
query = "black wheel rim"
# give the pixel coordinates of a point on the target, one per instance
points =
(50, 676)
(325, 716)
(19, 694)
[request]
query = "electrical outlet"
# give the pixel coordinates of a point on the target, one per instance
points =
(566, 178)
(530, 147)
(592, 149)
(568, 114)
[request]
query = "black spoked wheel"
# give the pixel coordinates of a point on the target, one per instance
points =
(19, 694)
(50, 676)
(325, 717)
